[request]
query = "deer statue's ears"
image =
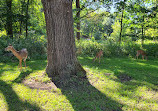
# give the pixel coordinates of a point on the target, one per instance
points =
(10, 44)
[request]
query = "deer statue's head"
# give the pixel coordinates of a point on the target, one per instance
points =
(9, 48)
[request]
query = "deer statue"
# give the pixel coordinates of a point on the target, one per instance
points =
(98, 55)
(79, 51)
(141, 52)
(21, 55)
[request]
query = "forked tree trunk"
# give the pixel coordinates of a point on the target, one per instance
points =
(61, 56)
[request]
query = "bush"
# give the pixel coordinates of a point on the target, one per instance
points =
(151, 49)
(35, 46)
(89, 47)
(114, 49)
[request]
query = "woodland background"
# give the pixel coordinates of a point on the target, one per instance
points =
(118, 27)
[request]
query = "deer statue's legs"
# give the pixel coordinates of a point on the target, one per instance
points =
(99, 59)
(137, 56)
(25, 61)
(20, 61)
(94, 59)
(19, 65)
(25, 64)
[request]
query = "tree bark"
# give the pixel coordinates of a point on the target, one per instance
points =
(142, 37)
(78, 19)
(142, 42)
(120, 38)
(27, 17)
(61, 52)
(122, 16)
(9, 27)
(21, 21)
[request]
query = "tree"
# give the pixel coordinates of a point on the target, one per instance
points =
(27, 15)
(9, 27)
(78, 19)
(97, 24)
(122, 4)
(21, 17)
(139, 13)
(61, 56)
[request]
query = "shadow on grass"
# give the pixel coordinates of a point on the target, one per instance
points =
(85, 97)
(22, 76)
(3, 70)
(13, 101)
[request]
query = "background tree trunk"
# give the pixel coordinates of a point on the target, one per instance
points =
(78, 19)
(143, 31)
(61, 54)
(121, 27)
(21, 21)
(9, 27)
(27, 17)
(122, 16)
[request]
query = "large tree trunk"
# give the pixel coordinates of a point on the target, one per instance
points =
(61, 56)
(9, 27)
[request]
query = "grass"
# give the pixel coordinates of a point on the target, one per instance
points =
(116, 84)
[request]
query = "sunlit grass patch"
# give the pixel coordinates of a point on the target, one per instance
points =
(47, 100)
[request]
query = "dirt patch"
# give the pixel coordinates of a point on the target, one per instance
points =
(107, 74)
(32, 83)
(124, 77)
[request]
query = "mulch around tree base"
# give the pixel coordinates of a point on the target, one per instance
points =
(33, 84)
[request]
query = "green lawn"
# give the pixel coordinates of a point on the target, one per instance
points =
(116, 84)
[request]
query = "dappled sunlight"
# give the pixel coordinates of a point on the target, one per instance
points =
(146, 94)
(25, 98)
(9, 76)
(147, 69)
(131, 96)
(3, 102)
(113, 84)
(142, 64)
(43, 98)
(8, 72)
(12, 99)
(130, 93)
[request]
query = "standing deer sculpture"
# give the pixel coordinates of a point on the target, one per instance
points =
(98, 55)
(21, 55)
(141, 52)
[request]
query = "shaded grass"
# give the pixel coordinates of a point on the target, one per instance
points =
(114, 84)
